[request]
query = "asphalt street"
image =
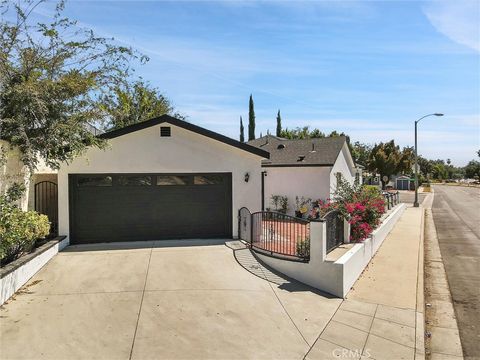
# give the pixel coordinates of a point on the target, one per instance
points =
(456, 212)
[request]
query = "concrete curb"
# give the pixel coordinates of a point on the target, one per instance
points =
(420, 305)
(443, 339)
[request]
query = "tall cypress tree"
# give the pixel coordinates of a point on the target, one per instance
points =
(279, 124)
(251, 120)
(242, 135)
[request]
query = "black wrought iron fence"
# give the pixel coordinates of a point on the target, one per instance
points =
(245, 225)
(280, 234)
(275, 234)
(391, 199)
(335, 229)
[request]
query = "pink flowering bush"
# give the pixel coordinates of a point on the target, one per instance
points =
(362, 207)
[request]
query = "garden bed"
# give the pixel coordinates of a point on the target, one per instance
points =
(15, 274)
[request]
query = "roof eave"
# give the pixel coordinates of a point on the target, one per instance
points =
(187, 126)
(296, 165)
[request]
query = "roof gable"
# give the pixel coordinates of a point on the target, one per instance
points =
(187, 126)
(305, 152)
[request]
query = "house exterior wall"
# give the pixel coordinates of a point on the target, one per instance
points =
(35, 179)
(342, 166)
(12, 170)
(144, 151)
(310, 182)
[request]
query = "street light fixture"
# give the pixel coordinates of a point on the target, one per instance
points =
(415, 203)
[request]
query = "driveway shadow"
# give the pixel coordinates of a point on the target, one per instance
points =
(246, 259)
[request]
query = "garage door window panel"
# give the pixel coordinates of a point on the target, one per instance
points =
(94, 181)
(134, 180)
(208, 179)
(173, 180)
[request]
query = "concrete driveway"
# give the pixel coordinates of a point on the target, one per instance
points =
(161, 300)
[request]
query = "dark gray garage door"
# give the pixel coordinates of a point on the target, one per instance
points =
(132, 207)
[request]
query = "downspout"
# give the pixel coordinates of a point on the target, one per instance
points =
(264, 173)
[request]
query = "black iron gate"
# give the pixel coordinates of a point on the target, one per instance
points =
(245, 225)
(46, 202)
(335, 229)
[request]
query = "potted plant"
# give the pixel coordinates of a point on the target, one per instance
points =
(283, 204)
(301, 206)
(275, 200)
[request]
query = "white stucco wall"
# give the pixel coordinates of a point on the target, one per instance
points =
(12, 170)
(310, 182)
(17, 278)
(335, 277)
(144, 151)
(343, 165)
(314, 182)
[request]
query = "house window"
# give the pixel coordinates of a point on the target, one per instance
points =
(172, 180)
(207, 179)
(165, 131)
(94, 181)
(135, 180)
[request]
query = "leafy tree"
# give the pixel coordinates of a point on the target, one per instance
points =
(279, 124)
(131, 103)
(52, 78)
(301, 133)
(242, 134)
(251, 119)
(439, 171)
(360, 153)
(425, 167)
(387, 159)
(472, 170)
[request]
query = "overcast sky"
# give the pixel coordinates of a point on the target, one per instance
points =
(367, 68)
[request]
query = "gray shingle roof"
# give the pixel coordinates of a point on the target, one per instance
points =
(308, 152)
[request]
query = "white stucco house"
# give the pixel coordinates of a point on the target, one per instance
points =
(12, 170)
(308, 168)
(160, 179)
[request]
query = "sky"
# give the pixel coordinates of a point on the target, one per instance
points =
(366, 68)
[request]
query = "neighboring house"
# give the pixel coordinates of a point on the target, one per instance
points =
(160, 179)
(371, 179)
(402, 182)
(308, 168)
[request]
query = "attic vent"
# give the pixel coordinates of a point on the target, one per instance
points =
(313, 148)
(165, 131)
(301, 158)
(281, 146)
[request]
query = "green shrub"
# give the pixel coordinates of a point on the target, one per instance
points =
(371, 189)
(19, 229)
(303, 247)
(361, 206)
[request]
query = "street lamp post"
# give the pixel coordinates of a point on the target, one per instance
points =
(415, 203)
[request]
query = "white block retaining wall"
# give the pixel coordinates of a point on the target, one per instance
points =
(334, 277)
(17, 273)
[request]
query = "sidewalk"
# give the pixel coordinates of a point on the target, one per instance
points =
(382, 316)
